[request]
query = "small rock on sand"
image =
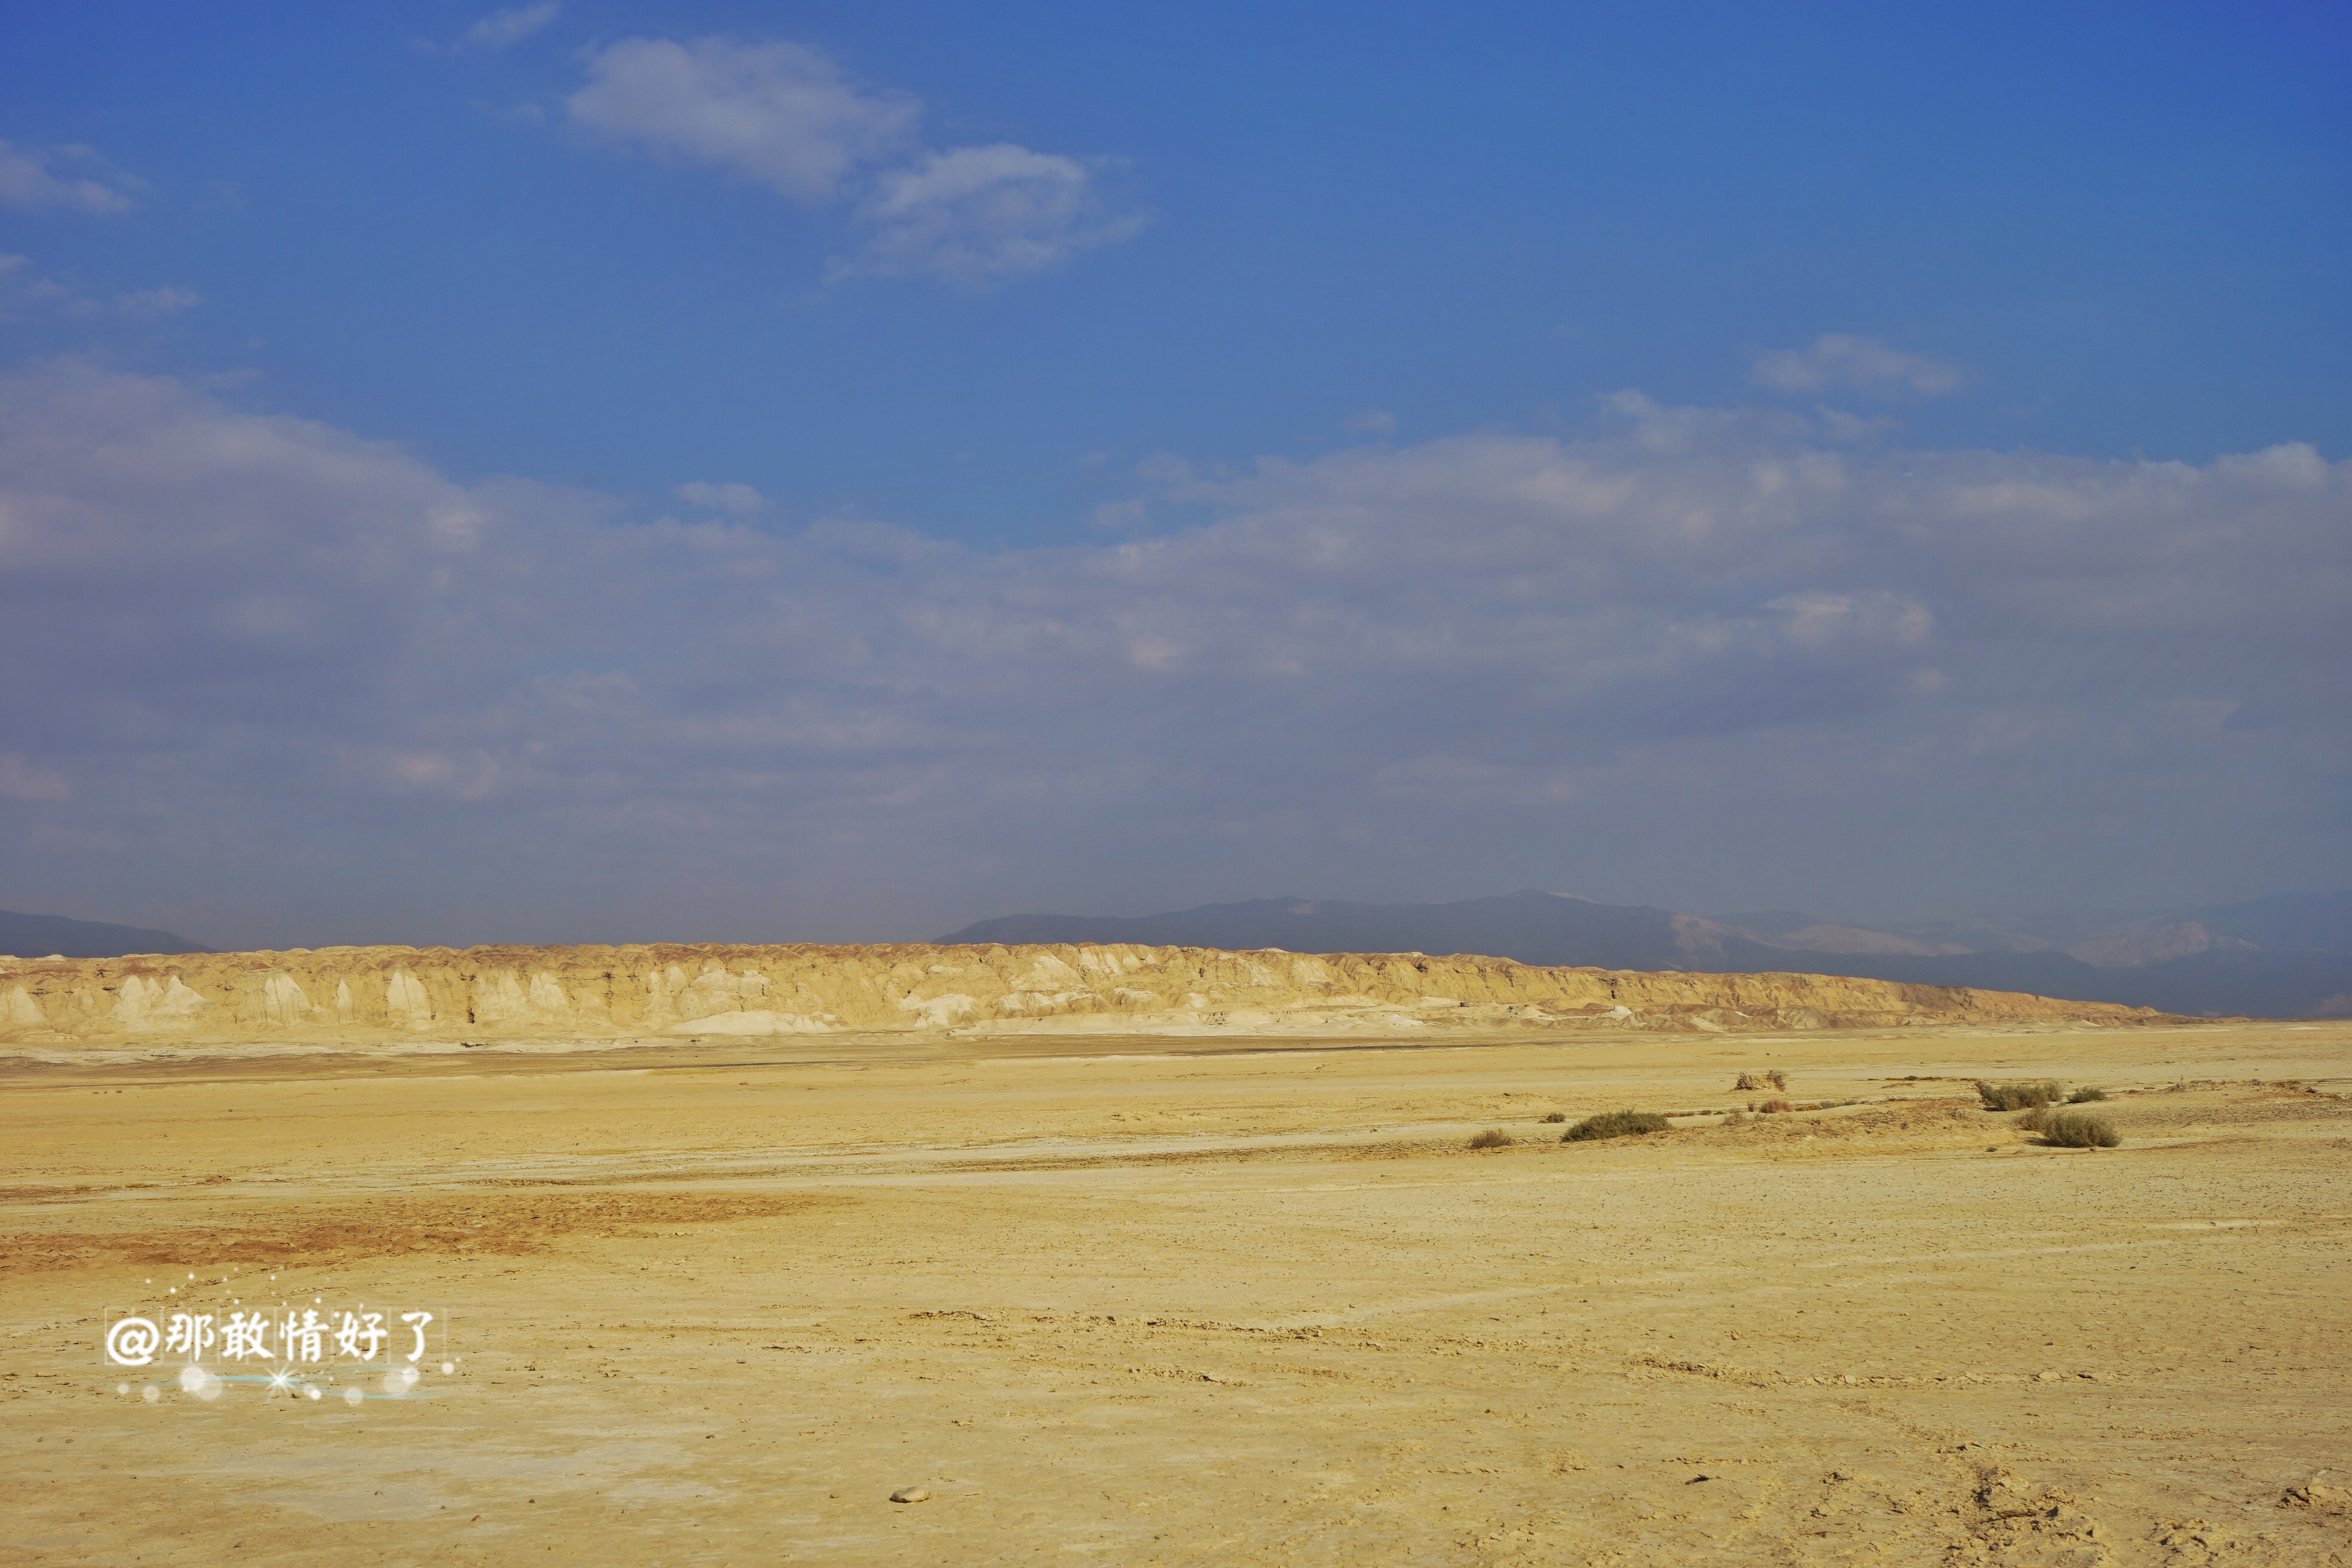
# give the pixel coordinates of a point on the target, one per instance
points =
(911, 1494)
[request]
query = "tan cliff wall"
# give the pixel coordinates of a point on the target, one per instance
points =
(360, 994)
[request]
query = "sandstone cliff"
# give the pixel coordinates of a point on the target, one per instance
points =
(376, 995)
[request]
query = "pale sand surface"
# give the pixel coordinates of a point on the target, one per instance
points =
(713, 1305)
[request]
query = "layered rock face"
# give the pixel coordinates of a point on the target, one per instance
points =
(486, 995)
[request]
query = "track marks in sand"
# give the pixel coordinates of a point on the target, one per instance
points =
(278, 1231)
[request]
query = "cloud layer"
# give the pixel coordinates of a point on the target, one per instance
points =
(1694, 655)
(73, 177)
(511, 25)
(786, 116)
(1863, 365)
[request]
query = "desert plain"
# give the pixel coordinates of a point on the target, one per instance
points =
(1205, 1298)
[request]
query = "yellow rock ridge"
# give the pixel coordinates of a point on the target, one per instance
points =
(490, 995)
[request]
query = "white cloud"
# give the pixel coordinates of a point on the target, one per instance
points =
(976, 215)
(786, 116)
(1130, 516)
(1690, 640)
(511, 25)
(23, 780)
(779, 113)
(73, 177)
(740, 499)
(1866, 364)
(1889, 620)
(157, 301)
(24, 292)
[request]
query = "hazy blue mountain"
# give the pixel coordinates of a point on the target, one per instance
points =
(2286, 956)
(2284, 922)
(1532, 927)
(37, 936)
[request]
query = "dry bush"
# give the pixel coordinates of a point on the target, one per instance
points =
(1615, 1124)
(1773, 1107)
(1776, 1078)
(2032, 1120)
(1493, 1138)
(2085, 1095)
(2079, 1130)
(1555, 1116)
(2018, 1095)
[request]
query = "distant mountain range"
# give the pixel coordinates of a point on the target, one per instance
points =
(2289, 955)
(2286, 956)
(38, 936)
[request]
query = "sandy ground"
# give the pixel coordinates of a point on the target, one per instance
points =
(714, 1306)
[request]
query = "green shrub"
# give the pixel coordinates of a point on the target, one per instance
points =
(1615, 1124)
(2085, 1095)
(2018, 1095)
(1493, 1138)
(2078, 1130)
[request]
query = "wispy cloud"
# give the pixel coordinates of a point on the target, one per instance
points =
(738, 498)
(73, 177)
(787, 117)
(21, 780)
(1864, 364)
(976, 215)
(157, 301)
(1680, 635)
(779, 113)
(511, 25)
(23, 292)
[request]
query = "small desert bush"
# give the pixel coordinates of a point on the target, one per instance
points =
(2018, 1095)
(2078, 1130)
(1555, 1116)
(1776, 1078)
(1493, 1138)
(1773, 1107)
(2085, 1095)
(1614, 1124)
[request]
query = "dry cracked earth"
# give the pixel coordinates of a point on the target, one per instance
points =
(1209, 1306)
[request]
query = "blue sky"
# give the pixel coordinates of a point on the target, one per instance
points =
(1211, 440)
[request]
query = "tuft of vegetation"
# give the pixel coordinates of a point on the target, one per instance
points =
(1555, 1116)
(1615, 1124)
(1773, 1107)
(2085, 1095)
(1493, 1138)
(1776, 1078)
(2020, 1095)
(2078, 1130)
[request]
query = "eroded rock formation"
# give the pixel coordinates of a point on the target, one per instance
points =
(368, 995)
